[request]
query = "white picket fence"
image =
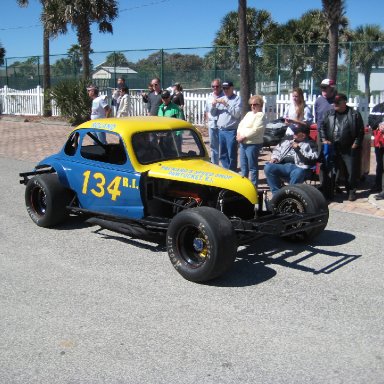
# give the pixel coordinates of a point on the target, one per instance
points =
(30, 102)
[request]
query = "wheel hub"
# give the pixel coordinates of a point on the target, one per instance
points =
(198, 244)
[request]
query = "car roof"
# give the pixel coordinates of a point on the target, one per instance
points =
(127, 126)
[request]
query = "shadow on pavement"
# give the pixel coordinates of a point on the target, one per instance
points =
(254, 263)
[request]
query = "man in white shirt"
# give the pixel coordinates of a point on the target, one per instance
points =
(100, 107)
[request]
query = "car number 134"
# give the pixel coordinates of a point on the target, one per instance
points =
(113, 188)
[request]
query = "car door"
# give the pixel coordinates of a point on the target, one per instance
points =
(102, 174)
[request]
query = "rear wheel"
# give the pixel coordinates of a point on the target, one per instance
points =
(201, 243)
(46, 200)
(301, 198)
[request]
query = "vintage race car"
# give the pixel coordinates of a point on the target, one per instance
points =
(150, 177)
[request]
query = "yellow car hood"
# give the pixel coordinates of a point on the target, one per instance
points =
(202, 172)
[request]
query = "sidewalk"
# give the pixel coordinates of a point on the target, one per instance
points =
(33, 140)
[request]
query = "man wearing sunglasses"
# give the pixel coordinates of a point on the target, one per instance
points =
(217, 93)
(325, 102)
(343, 130)
(167, 108)
(154, 97)
(227, 110)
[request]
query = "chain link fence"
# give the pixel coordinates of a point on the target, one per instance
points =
(274, 69)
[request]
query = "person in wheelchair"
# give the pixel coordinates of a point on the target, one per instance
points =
(146, 149)
(291, 160)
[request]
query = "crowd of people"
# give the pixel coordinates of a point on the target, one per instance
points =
(340, 133)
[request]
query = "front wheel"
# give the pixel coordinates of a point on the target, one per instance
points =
(301, 198)
(201, 243)
(46, 200)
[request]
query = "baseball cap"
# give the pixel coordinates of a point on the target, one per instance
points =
(328, 82)
(340, 96)
(301, 128)
(92, 87)
(227, 84)
(165, 94)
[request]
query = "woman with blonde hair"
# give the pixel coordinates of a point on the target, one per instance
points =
(297, 112)
(250, 137)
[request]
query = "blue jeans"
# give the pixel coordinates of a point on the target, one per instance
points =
(249, 161)
(214, 144)
(289, 172)
(228, 148)
(101, 136)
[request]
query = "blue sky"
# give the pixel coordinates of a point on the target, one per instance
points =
(146, 24)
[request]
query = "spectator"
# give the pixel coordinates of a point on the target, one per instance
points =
(291, 160)
(297, 113)
(379, 142)
(374, 120)
(343, 128)
(100, 108)
(177, 97)
(168, 108)
(227, 109)
(144, 95)
(116, 96)
(154, 97)
(217, 92)
(324, 102)
(124, 103)
(250, 137)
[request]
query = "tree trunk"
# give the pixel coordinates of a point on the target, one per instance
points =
(333, 37)
(367, 77)
(243, 57)
(84, 37)
(47, 75)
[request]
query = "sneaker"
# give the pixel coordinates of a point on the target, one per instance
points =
(375, 189)
(338, 190)
(352, 195)
(379, 196)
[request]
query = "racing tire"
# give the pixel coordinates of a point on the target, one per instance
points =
(46, 200)
(301, 198)
(201, 243)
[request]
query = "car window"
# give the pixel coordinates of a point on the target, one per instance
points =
(72, 144)
(107, 148)
(155, 146)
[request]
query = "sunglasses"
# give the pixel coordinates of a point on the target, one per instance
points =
(165, 97)
(254, 105)
(215, 86)
(225, 88)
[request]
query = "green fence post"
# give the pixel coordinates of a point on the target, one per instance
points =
(349, 70)
(162, 66)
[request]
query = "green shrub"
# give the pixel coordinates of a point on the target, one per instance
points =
(73, 101)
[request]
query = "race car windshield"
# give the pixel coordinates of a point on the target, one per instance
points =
(156, 146)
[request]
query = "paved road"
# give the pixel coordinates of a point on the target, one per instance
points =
(84, 305)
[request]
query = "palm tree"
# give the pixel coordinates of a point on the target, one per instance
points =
(81, 14)
(243, 56)
(225, 56)
(2, 54)
(368, 51)
(333, 11)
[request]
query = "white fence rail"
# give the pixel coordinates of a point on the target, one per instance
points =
(30, 102)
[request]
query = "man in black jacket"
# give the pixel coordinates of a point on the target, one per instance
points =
(343, 128)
